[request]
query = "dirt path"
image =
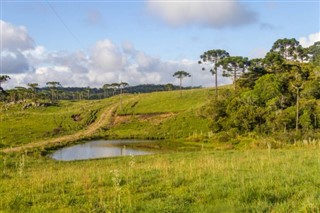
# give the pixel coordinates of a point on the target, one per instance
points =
(101, 121)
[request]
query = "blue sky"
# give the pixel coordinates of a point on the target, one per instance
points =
(142, 41)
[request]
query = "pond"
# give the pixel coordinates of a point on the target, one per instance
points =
(100, 149)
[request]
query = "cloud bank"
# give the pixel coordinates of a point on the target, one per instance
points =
(310, 39)
(213, 14)
(15, 40)
(15, 37)
(104, 62)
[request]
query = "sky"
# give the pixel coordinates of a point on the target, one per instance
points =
(91, 43)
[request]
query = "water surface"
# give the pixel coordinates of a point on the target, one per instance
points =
(100, 149)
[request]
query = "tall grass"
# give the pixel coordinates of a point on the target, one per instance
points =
(204, 181)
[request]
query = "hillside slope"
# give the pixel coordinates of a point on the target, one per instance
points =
(156, 115)
(162, 115)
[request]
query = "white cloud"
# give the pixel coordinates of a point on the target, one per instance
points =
(214, 14)
(13, 62)
(310, 39)
(15, 40)
(36, 55)
(76, 61)
(16, 80)
(134, 76)
(62, 74)
(15, 37)
(55, 73)
(106, 57)
(128, 47)
(98, 79)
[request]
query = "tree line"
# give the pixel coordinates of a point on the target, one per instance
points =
(276, 94)
(54, 91)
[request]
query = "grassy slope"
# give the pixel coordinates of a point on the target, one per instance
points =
(19, 126)
(162, 102)
(163, 115)
(205, 181)
(153, 115)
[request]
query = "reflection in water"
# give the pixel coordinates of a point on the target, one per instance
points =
(99, 149)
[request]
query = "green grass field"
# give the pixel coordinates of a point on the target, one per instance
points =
(19, 126)
(203, 181)
(177, 180)
(185, 125)
(164, 102)
(163, 115)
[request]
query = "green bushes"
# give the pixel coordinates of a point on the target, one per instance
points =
(269, 108)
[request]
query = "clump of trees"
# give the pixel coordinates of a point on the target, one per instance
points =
(3, 93)
(276, 94)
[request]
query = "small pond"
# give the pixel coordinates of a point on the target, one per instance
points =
(100, 149)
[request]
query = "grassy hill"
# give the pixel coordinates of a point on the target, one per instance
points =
(20, 126)
(163, 115)
(154, 115)
(167, 102)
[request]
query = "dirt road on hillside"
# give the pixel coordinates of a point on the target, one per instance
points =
(103, 120)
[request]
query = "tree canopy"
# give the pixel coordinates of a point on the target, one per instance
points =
(181, 75)
(276, 94)
(234, 67)
(213, 58)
